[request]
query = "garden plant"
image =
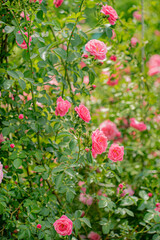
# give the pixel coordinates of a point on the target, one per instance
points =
(79, 119)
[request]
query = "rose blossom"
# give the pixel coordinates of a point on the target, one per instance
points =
(137, 125)
(120, 185)
(57, 3)
(137, 15)
(39, 226)
(154, 65)
(113, 34)
(99, 143)
(110, 13)
(86, 199)
(1, 138)
(83, 113)
(116, 152)
(94, 236)
(1, 172)
(63, 226)
(23, 45)
(62, 107)
(150, 194)
(110, 130)
(113, 58)
(112, 80)
(23, 16)
(134, 41)
(20, 116)
(128, 190)
(97, 49)
(12, 145)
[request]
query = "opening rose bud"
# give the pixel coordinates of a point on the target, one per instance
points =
(20, 116)
(39, 226)
(150, 194)
(94, 86)
(12, 145)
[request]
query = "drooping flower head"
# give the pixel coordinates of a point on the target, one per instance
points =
(1, 172)
(62, 107)
(58, 3)
(96, 48)
(63, 226)
(83, 112)
(154, 65)
(94, 236)
(23, 45)
(99, 143)
(137, 125)
(110, 13)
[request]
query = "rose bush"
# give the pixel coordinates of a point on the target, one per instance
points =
(79, 120)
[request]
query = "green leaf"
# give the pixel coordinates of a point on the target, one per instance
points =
(13, 74)
(91, 77)
(61, 53)
(40, 15)
(148, 217)
(89, 157)
(39, 169)
(17, 163)
(9, 29)
(86, 221)
(102, 204)
(7, 84)
(106, 228)
(59, 180)
(73, 144)
(130, 213)
(69, 196)
(19, 38)
(143, 195)
(77, 224)
(22, 83)
(108, 32)
(5, 131)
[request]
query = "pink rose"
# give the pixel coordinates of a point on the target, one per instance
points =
(1, 172)
(134, 41)
(39, 226)
(86, 199)
(97, 49)
(20, 116)
(57, 3)
(86, 80)
(154, 65)
(116, 152)
(137, 125)
(137, 15)
(23, 16)
(110, 13)
(128, 190)
(62, 107)
(112, 80)
(94, 236)
(113, 34)
(83, 112)
(12, 145)
(1, 138)
(99, 143)
(23, 45)
(113, 58)
(63, 226)
(110, 130)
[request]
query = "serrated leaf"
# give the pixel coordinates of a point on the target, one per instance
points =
(13, 74)
(17, 163)
(19, 38)
(61, 53)
(39, 169)
(22, 83)
(86, 221)
(9, 29)
(8, 83)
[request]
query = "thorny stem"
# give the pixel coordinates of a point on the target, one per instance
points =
(142, 50)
